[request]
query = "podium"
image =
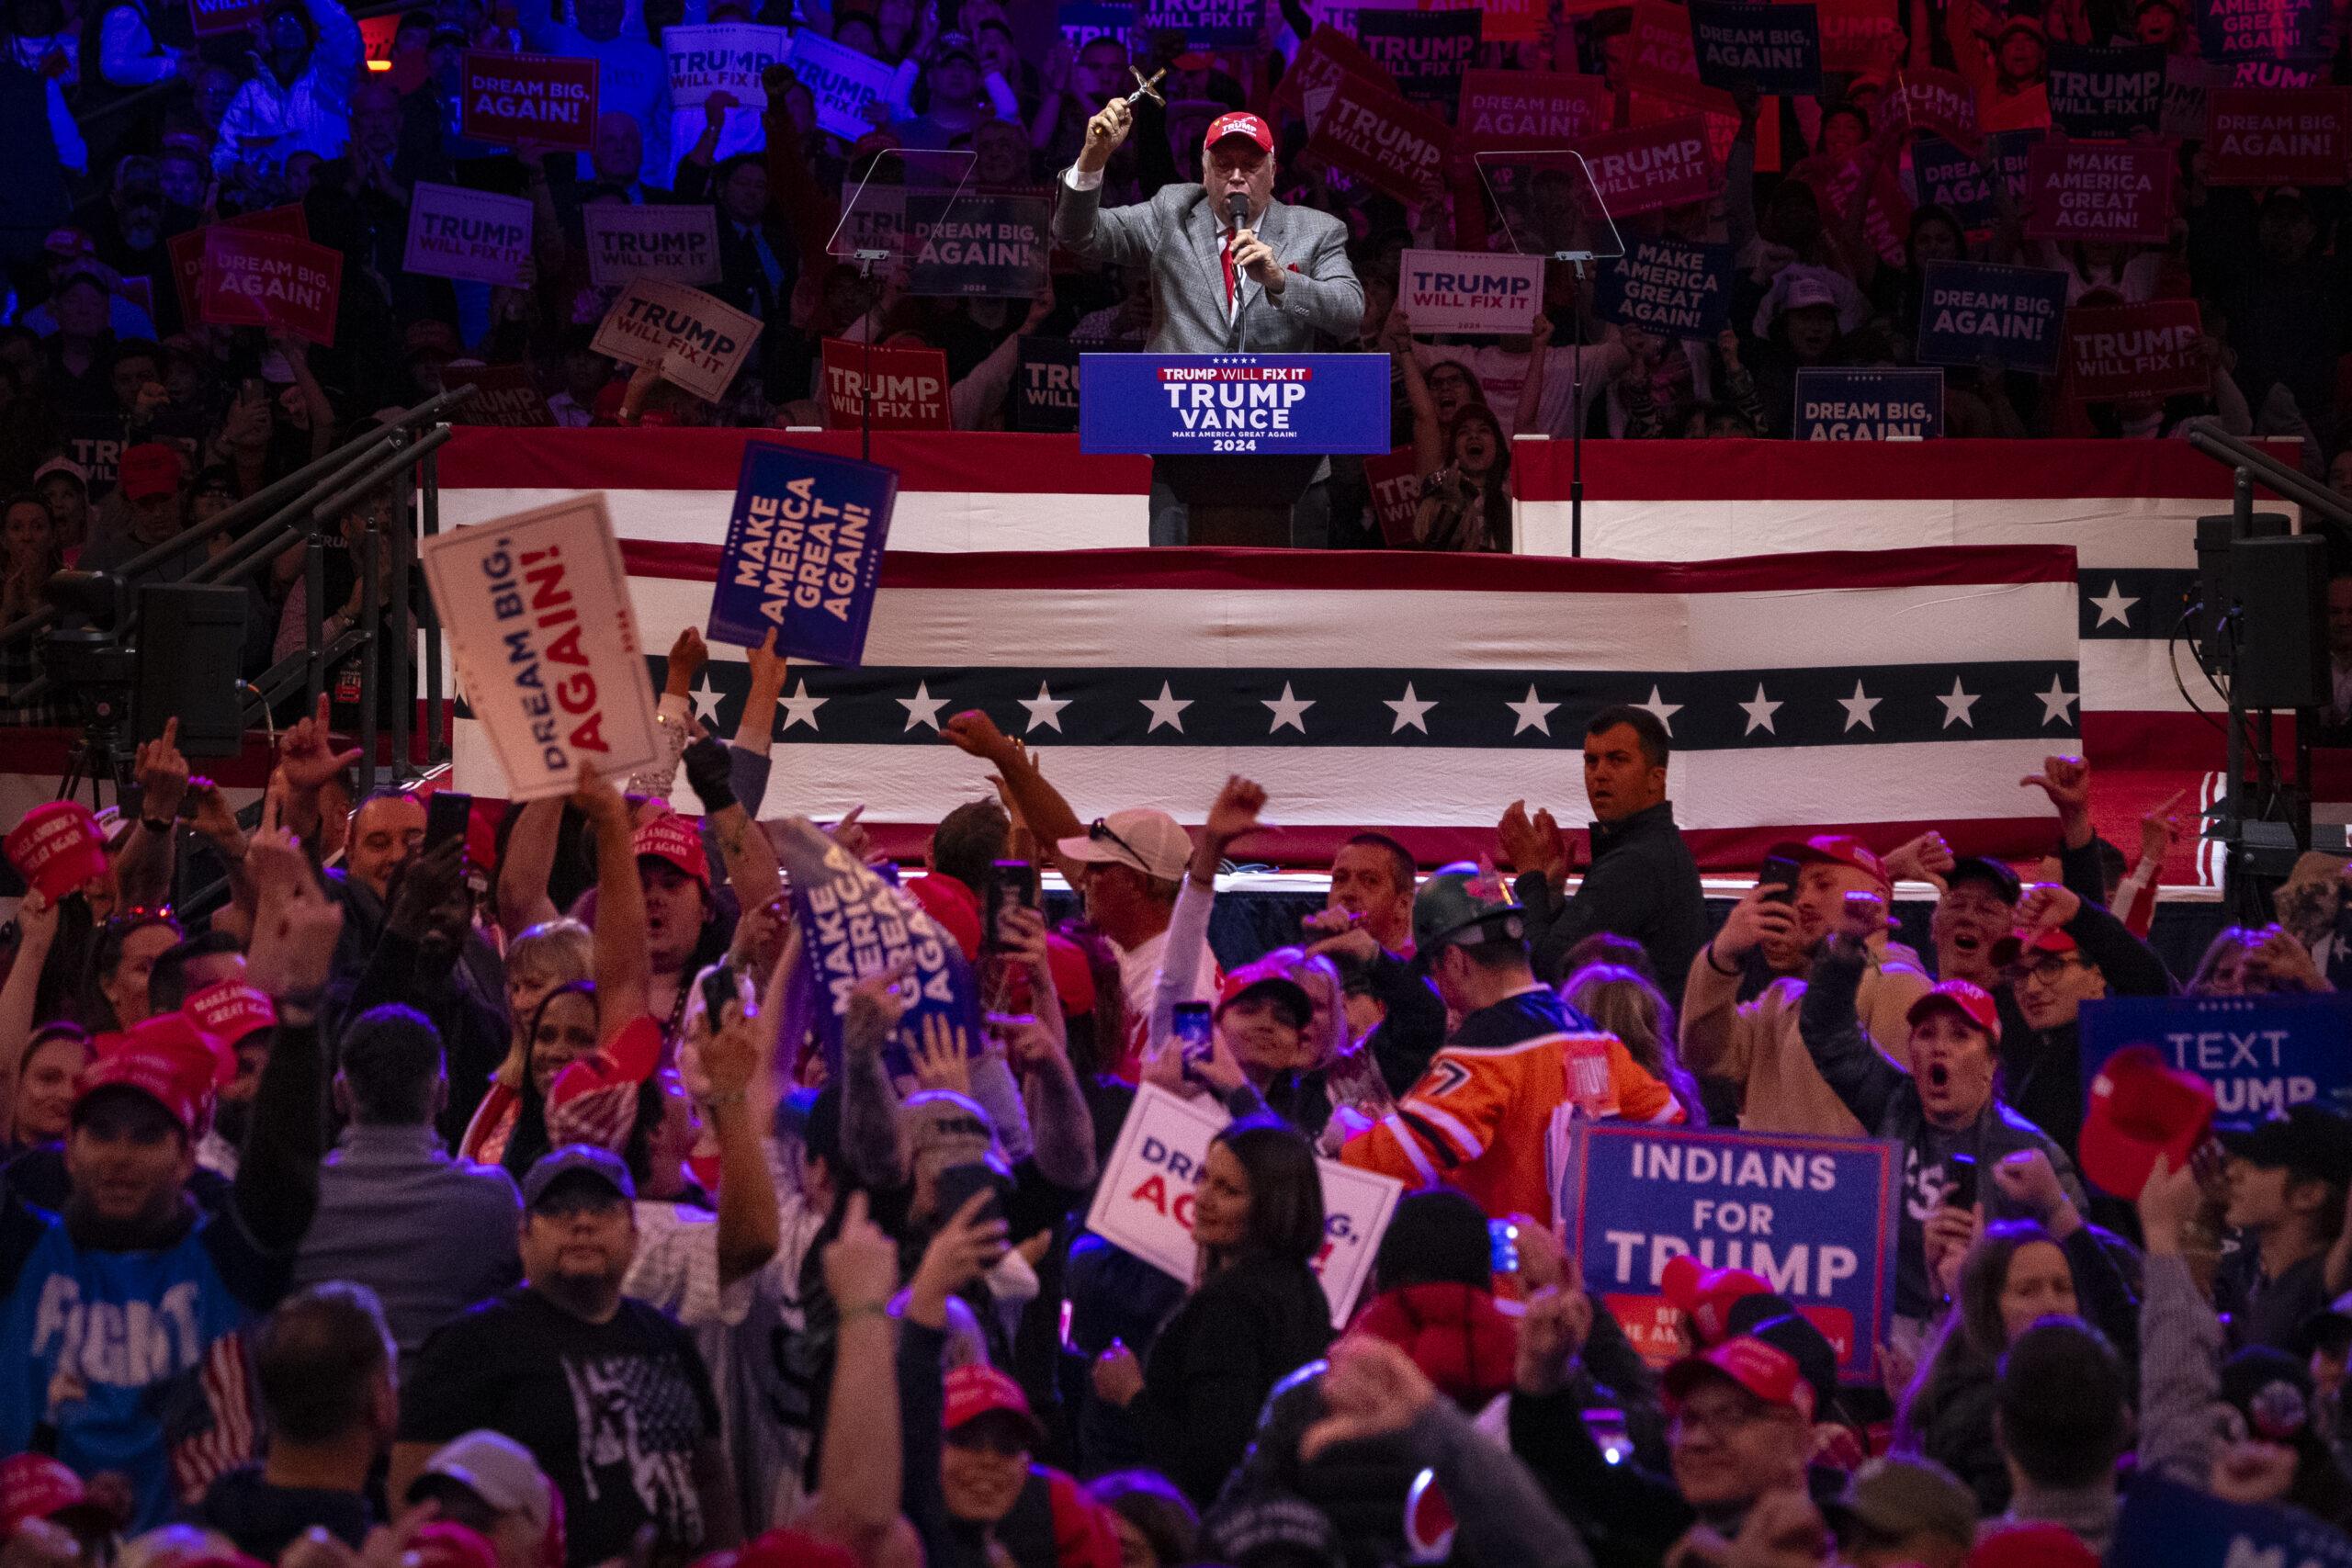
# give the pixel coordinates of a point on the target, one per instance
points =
(1239, 499)
(1238, 438)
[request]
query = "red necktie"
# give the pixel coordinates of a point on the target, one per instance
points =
(1225, 255)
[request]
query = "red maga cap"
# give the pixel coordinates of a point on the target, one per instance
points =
(1707, 1296)
(1966, 997)
(1831, 849)
(974, 1390)
(33, 1486)
(1766, 1371)
(676, 840)
(231, 1010)
(180, 1080)
(2141, 1108)
(57, 847)
(1247, 125)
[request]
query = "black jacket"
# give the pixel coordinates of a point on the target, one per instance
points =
(1642, 884)
(1213, 1363)
(2041, 1070)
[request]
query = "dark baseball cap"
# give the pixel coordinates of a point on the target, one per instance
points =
(2309, 1142)
(1978, 868)
(576, 1159)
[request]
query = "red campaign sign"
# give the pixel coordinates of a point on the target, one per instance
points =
(509, 398)
(1887, 215)
(1854, 32)
(2272, 136)
(1722, 130)
(1886, 221)
(1505, 21)
(1396, 485)
(1933, 101)
(1328, 58)
(1654, 1327)
(543, 99)
(1644, 168)
(1526, 111)
(2100, 190)
(186, 252)
(910, 386)
(1382, 138)
(255, 279)
(1660, 57)
(210, 18)
(2135, 350)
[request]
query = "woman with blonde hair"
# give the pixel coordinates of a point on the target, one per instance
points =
(1625, 1003)
(541, 960)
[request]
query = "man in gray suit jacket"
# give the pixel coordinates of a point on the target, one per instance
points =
(1232, 270)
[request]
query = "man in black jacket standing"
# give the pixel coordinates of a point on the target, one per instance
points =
(1641, 885)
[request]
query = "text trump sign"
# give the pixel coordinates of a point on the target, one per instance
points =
(1144, 1203)
(1814, 1217)
(1470, 291)
(536, 610)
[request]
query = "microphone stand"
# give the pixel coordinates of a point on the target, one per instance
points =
(866, 260)
(1576, 259)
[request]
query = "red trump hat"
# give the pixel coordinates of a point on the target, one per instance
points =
(1247, 125)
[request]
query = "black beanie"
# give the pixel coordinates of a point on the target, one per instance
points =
(1438, 1233)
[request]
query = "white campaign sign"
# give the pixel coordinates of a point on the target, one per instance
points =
(456, 232)
(536, 610)
(1144, 1202)
(1469, 291)
(841, 80)
(675, 241)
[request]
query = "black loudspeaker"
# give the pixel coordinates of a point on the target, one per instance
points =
(2215, 595)
(2282, 588)
(191, 653)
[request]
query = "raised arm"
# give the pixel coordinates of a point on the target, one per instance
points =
(276, 1189)
(36, 933)
(870, 1142)
(1062, 1126)
(749, 1225)
(1123, 233)
(623, 962)
(524, 870)
(1861, 1075)
(144, 870)
(1233, 814)
(750, 859)
(859, 1474)
(1040, 804)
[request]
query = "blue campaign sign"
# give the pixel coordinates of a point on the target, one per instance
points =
(1973, 309)
(855, 924)
(1814, 1216)
(1264, 403)
(1774, 49)
(2260, 1053)
(1945, 176)
(1045, 385)
(2277, 31)
(1085, 19)
(1870, 405)
(993, 247)
(1667, 286)
(803, 554)
(2167, 1524)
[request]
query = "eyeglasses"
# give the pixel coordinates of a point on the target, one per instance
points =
(2048, 972)
(1723, 1421)
(1099, 830)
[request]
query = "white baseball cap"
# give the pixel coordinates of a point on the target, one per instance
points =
(1145, 839)
(501, 1472)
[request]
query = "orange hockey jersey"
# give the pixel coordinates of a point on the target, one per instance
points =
(1490, 1113)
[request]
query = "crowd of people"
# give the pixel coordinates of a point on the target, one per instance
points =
(507, 1195)
(131, 130)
